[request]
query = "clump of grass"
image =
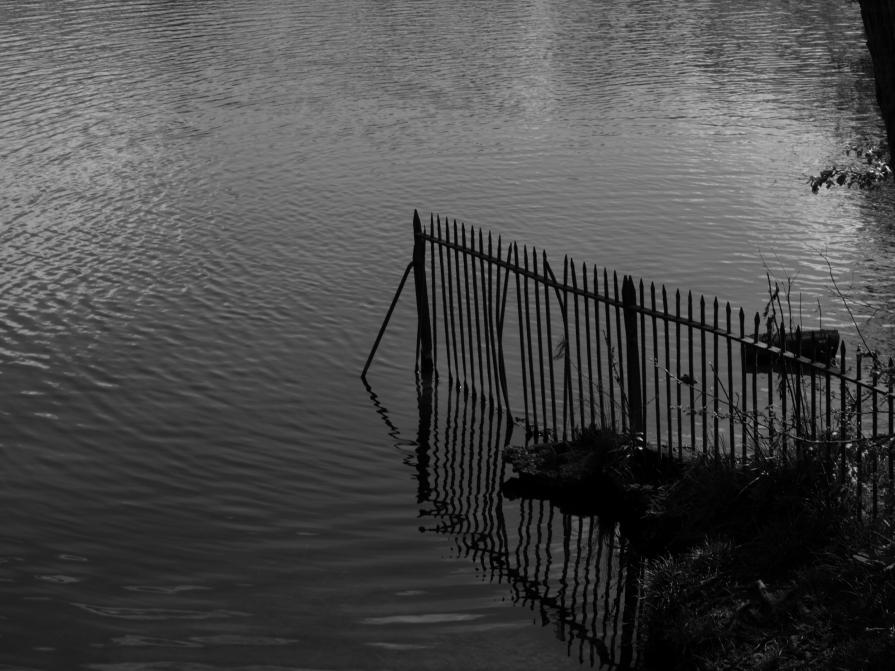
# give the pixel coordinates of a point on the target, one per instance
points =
(765, 502)
(687, 614)
(769, 571)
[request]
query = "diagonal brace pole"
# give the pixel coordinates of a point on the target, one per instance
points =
(388, 316)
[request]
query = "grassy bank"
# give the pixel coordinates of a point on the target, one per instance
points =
(765, 568)
(759, 565)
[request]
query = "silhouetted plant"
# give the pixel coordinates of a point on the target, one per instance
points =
(868, 169)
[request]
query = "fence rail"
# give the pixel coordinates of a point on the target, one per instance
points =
(680, 373)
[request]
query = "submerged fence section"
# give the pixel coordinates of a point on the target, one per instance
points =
(564, 348)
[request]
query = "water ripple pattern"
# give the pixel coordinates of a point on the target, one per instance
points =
(204, 210)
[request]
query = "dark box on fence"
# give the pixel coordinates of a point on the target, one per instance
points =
(820, 346)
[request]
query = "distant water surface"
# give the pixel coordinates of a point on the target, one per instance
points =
(204, 211)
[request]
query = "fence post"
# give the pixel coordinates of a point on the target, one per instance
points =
(635, 396)
(424, 327)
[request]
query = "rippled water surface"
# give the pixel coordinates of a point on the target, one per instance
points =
(204, 210)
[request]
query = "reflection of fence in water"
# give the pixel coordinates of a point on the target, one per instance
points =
(571, 573)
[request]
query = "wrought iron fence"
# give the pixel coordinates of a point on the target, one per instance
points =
(681, 374)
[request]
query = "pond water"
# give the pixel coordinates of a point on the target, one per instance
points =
(205, 209)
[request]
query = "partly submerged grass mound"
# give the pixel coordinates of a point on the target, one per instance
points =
(596, 472)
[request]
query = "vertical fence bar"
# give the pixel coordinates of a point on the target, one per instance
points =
(610, 350)
(494, 259)
(800, 429)
(757, 445)
(624, 390)
(494, 298)
(590, 366)
(843, 417)
(775, 360)
(500, 323)
(828, 413)
(599, 344)
(667, 373)
(644, 425)
(690, 371)
(424, 326)
(635, 398)
(444, 301)
(784, 391)
(859, 417)
(544, 413)
(523, 323)
(812, 380)
(859, 433)
(744, 416)
(487, 265)
(481, 311)
(456, 240)
(706, 388)
(469, 313)
(548, 318)
(730, 401)
(434, 300)
(479, 336)
(531, 369)
(451, 313)
(874, 466)
(890, 441)
(581, 419)
(652, 292)
(568, 408)
(488, 317)
(716, 380)
(677, 340)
